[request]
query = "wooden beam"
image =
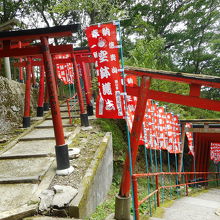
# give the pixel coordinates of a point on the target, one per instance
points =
(35, 50)
(201, 121)
(178, 99)
(56, 31)
(203, 130)
(206, 80)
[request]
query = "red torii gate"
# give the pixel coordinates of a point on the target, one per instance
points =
(143, 93)
(44, 50)
(82, 56)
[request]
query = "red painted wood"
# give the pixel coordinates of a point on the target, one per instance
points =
(135, 135)
(41, 88)
(179, 99)
(34, 51)
(52, 91)
(195, 90)
(27, 102)
(37, 36)
(85, 59)
(176, 78)
(86, 83)
(78, 85)
(21, 73)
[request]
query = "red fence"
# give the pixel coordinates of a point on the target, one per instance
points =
(158, 187)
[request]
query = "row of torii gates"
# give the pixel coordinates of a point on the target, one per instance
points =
(44, 52)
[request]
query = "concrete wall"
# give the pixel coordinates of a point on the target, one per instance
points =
(11, 103)
(96, 183)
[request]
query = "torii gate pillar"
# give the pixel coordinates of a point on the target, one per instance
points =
(62, 154)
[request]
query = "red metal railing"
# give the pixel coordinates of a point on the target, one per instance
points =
(159, 186)
(71, 106)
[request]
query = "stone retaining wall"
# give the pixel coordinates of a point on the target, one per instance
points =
(96, 182)
(12, 103)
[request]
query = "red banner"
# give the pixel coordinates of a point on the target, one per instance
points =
(215, 152)
(103, 43)
(65, 71)
(189, 136)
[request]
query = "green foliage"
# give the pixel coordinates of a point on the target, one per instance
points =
(111, 125)
(97, 10)
(149, 53)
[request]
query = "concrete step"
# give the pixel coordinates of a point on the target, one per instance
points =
(13, 197)
(48, 218)
(26, 167)
(42, 134)
(64, 115)
(49, 124)
(30, 149)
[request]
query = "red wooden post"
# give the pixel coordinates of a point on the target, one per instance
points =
(135, 135)
(21, 74)
(158, 190)
(62, 155)
(83, 115)
(46, 100)
(27, 102)
(135, 187)
(87, 88)
(40, 107)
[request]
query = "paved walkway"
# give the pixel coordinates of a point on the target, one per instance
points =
(201, 207)
(28, 167)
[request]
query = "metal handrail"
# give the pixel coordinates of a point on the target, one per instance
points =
(158, 187)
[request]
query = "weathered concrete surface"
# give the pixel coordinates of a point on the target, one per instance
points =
(39, 147)
(42, 134)
(49, 124)
(201, 207)
(20, 195)
(24, 167)
(63, 195)
(46, 198)
(63, 115)
(48, 218)
(96, 182)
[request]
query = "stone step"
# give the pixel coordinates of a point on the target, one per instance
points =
(49, 124)
(48, 218)
(42, 134)
(30, 148)
(64, 115)
(26, 167)
(13, 197)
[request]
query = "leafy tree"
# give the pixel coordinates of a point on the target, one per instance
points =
(10, 9)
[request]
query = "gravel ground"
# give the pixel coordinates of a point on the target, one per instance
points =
(87, 142)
